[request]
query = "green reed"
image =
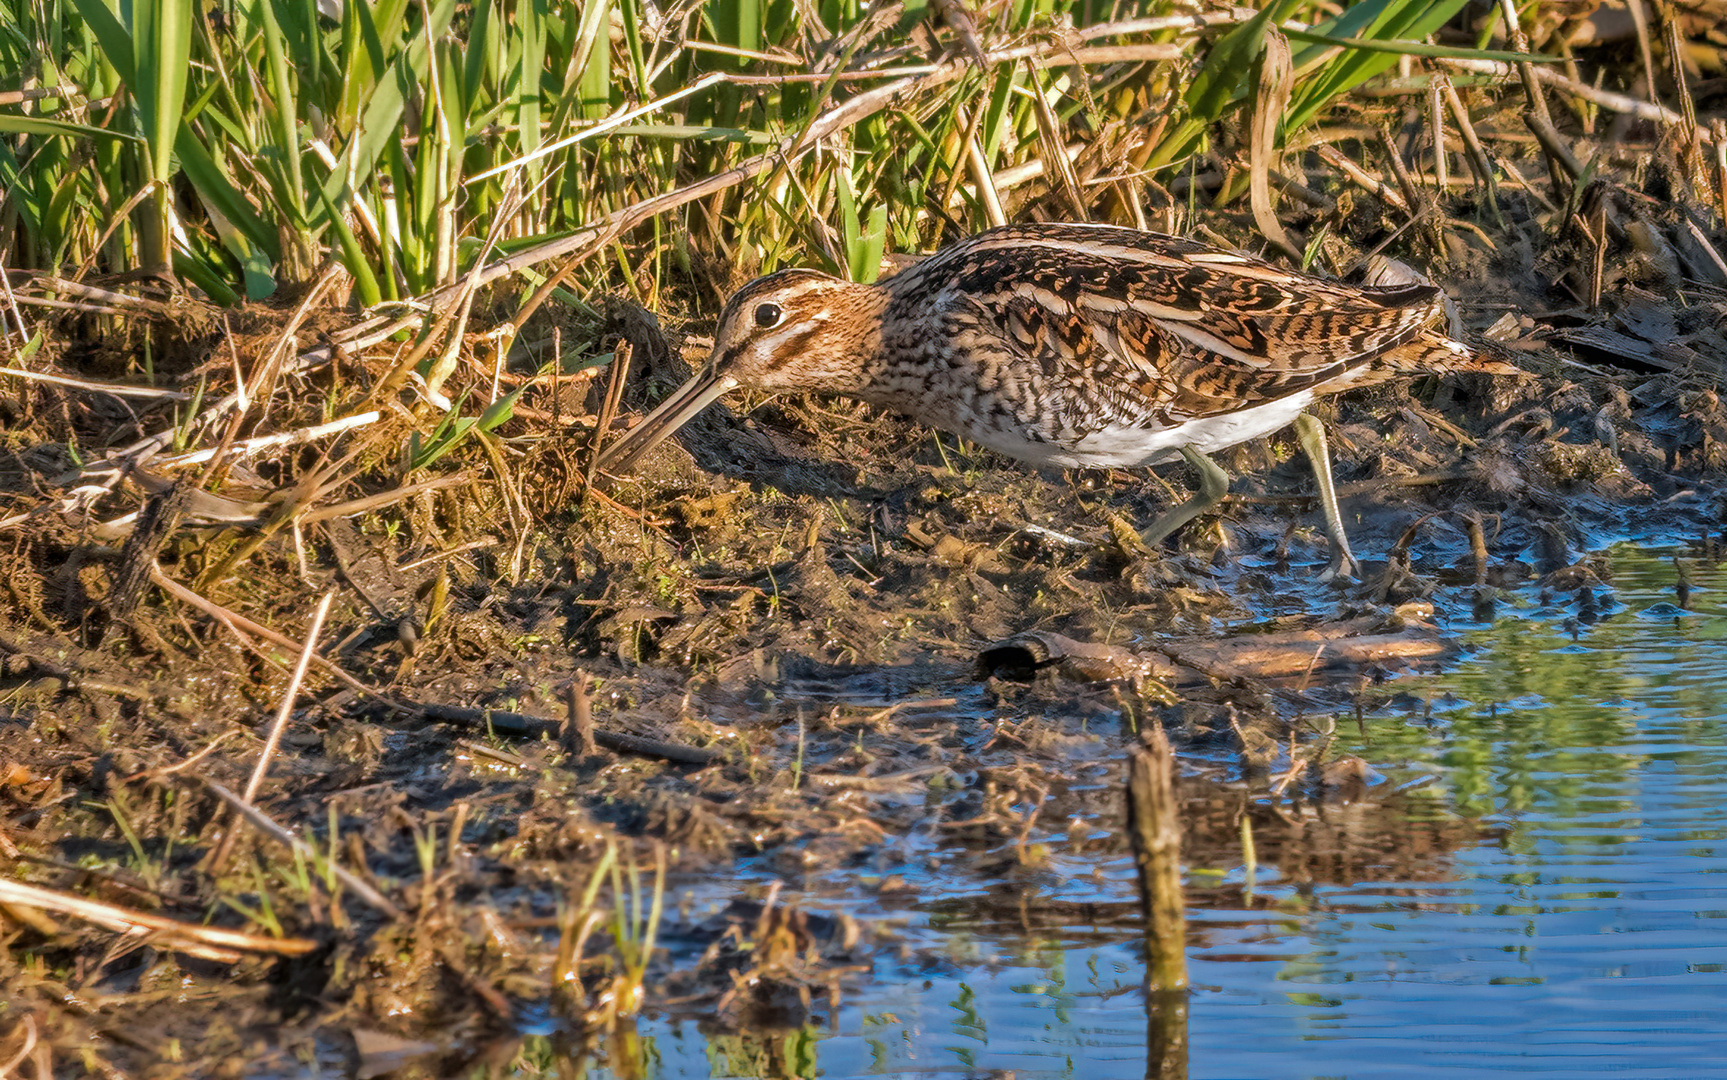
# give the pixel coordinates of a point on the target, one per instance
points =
(246, 144)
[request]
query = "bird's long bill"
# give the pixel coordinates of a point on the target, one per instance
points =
(689, 399)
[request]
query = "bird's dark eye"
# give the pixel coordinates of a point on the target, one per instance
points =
(768, 316)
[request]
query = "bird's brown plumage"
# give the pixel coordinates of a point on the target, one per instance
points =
(1066, 344)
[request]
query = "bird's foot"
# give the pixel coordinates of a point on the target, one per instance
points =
(1213, 486)
(1343, 566)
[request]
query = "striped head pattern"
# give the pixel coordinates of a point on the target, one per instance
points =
(799, 330)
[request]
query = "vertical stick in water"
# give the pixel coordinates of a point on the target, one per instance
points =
(1155, 831)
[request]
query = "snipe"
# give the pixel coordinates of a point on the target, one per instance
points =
(1078, 346)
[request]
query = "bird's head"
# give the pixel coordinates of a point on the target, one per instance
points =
(790, 330)
(797, 330)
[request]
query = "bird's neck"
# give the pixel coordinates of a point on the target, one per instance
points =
(848, 349)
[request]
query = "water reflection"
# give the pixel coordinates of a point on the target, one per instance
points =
(1535, 883)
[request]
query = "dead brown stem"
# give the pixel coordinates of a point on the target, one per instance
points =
(208, 942)
(236, 622)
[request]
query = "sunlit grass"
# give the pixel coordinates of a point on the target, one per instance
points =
(245, 145)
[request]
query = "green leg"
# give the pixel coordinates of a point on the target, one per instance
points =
(1213, 486)
(1310, 433)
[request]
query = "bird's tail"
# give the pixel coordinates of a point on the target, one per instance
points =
(1431, 352)
(1437, 348)
(1434, 352)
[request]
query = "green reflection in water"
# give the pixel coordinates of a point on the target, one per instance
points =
(1537, 720)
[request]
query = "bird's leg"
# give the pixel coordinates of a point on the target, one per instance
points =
(1213, 486)
(1310, 433)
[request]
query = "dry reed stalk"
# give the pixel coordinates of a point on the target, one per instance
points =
(382, 499)
(1560, 163)
(1596, 232)
(1690, 141)
(1361, 177)
(458, 312)
(1400, 172)
(219, 857)
(82, 307)
(236, 417)
(621, 359)
(123, 301)
(980, 175)
(1436, 129)
(115, 389)
(279, 440)
(1719, 128)
(119, 217)
(1477, 156)
(610, 123)
(1039, 58)
(1274, 81)
(1052, 149)
(1607, 99)
(274, 738)
(360, 208)
(19, 97)
(471, 545)
(38, 1052)
(17, 316)
(206, 942)
(515, 506)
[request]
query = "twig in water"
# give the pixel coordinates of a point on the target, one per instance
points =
(1154, 827)
(581, 716)
(514, 723)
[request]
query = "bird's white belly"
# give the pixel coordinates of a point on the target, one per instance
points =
(1126, 446)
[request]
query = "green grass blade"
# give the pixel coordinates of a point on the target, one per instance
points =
(1223, 76)
(284, 111)
(354, 257)
(217, 191)
(162, 57)
(38, 125)
(114, 38)
(1419, 48)
(596, 49)
(1370, 28)
(524, 101)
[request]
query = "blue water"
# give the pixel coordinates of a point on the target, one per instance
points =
(1580, 930)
